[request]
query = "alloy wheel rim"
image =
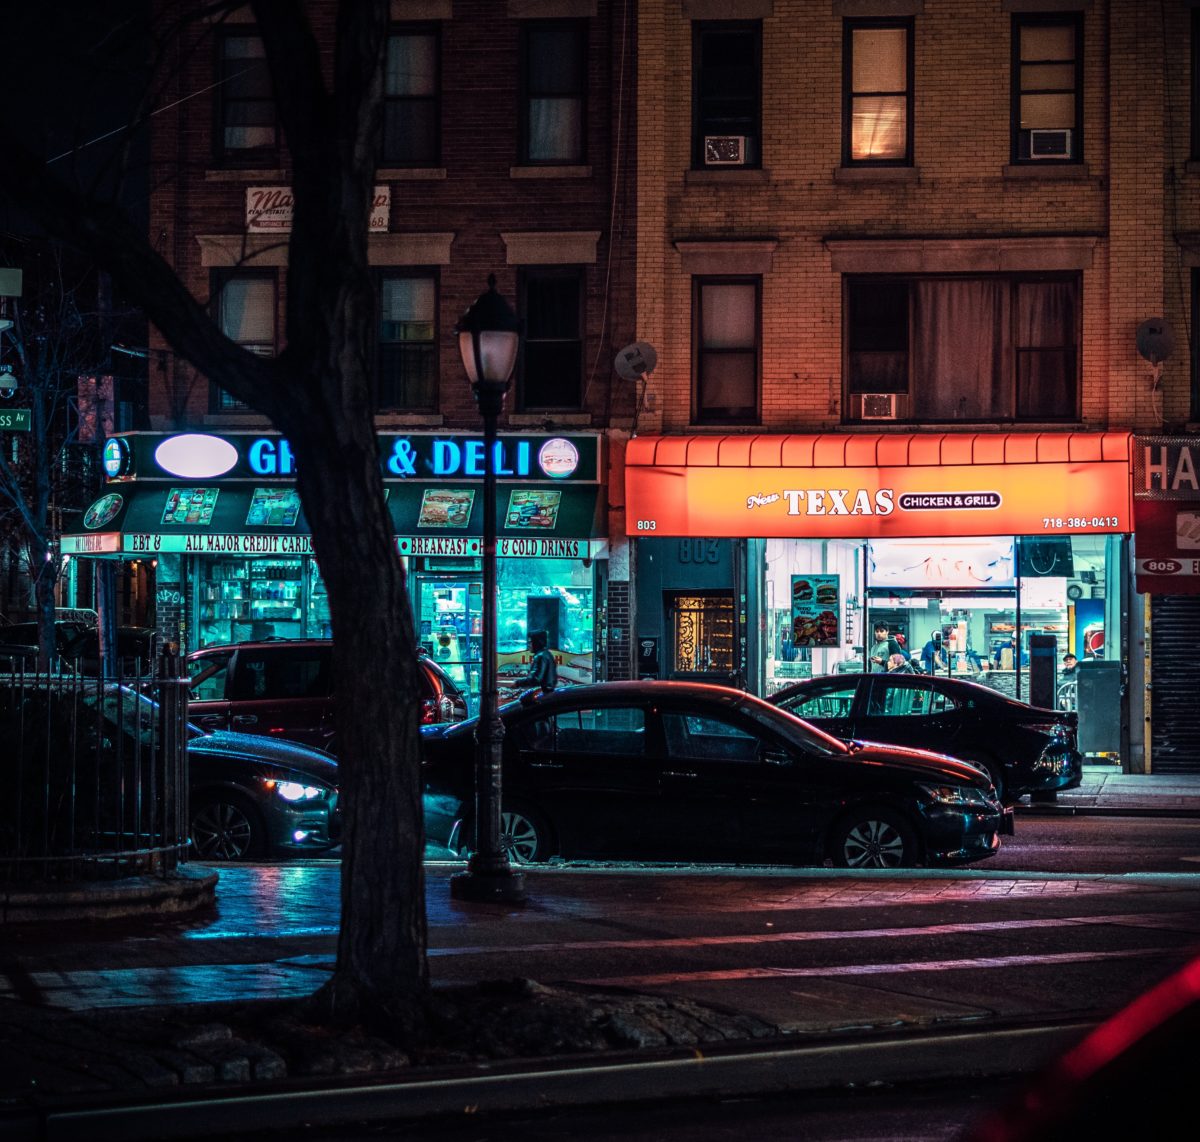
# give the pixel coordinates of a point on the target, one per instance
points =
(222, 831)
(873, 844)
(518, 837)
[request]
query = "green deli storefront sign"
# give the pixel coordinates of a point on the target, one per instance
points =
(234, 494)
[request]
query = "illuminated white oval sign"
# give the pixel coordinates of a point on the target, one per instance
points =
(558, 458)
(195, 456)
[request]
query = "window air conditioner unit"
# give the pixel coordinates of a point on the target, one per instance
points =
(724, 150)
(1050, 144)
(878, 406)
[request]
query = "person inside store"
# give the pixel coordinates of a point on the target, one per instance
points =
(1070, 662)
(543, 671)
(933, 657)
(1012, 645)
(879, 649)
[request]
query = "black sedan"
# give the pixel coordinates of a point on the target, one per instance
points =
(100, 755)
(678, 770)
(1026, 749)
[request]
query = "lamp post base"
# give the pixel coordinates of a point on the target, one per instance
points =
(496, 886)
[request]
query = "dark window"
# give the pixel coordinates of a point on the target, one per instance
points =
(726, 329)
(412, 99)
(408, 366)
(877, 92)
(703, 737)
(834, 700)
(1195, 344)
(246, 314)
(553, 90)
(726, 94)
(274, 674)
(246, 125)
(551, 371)
(970, 349)
(1195, 107)
(1047, 79)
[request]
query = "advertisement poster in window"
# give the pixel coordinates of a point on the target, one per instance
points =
(534, 509)
(190, 505)
(446, 507)
(816, 610)
(273, 507)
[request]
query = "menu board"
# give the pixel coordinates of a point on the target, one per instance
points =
(533, 509)
(816, 610)
(446, 507)
(190, 505)
(273, 507)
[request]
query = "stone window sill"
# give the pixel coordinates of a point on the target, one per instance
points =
(550, 172)
(1047, 172)
(876, 174)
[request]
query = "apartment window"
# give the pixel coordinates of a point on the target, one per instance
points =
(726, 94)
(551, 370)
(412, 100)
(246, 314)
(246, 124)
(1195, 102)
(963, 349)
(1047, 80)
(553, 91)
(407, 366)
(727, 330)
(877, 93)
(1195, 345)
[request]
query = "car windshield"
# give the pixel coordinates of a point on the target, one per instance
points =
(138, 716)
(795, 729)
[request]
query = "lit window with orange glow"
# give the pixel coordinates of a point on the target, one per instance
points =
(877, 92)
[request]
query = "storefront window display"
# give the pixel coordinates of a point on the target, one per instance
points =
(242, 599)
(951, 605)
(554, 595)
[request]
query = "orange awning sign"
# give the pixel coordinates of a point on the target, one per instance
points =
(1036, 484)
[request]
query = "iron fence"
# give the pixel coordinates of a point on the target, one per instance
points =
(96, 772)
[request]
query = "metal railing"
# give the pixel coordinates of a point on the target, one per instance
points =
(95, 772)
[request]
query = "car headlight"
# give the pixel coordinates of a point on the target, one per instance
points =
(958, 795)
(294, 791)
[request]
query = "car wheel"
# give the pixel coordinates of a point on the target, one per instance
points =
(524, 835)
(873, 838)
(225, 826)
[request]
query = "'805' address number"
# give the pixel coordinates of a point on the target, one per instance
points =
(647, 525)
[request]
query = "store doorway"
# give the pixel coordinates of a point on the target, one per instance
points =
(449, 625)
(701, 636)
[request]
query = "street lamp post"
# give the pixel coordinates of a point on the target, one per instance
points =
(488, 336)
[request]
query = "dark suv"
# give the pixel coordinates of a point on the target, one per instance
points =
(284, 688)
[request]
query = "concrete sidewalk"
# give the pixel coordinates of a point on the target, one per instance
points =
(1106, 790)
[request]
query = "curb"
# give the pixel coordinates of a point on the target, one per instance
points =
(817, 1062)
(1184, 812)
(183, 890)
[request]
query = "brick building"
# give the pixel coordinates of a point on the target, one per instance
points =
(907, 244)
(507, 149)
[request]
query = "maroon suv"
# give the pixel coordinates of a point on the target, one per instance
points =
(284, 688)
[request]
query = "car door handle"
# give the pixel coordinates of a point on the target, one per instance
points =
(245, 719)
(210, 720)
(678, 773)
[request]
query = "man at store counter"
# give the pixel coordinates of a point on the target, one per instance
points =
(998, 654)
(543, 670)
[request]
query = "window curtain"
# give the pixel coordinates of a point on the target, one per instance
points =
(962, 369)
(1046, 354)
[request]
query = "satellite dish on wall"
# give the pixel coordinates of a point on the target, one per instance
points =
(636, 360)
(1155, 340)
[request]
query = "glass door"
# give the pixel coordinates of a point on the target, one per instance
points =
(449, 625)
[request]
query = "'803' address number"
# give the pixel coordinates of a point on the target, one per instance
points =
(647, 525)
